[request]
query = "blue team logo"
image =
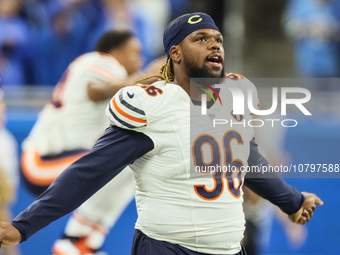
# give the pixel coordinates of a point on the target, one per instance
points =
(212, 116)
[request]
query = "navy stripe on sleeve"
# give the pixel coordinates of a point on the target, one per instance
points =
(270, 186)
(129, 106)
(116, 149)
(119, 120)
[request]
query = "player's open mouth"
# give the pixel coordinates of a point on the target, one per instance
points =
(215, 60)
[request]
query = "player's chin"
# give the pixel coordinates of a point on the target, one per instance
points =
(215, 71)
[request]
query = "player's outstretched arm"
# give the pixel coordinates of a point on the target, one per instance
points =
(9, 235)
(299, 206)
(116, 149)
(307, 209)
(99, 91)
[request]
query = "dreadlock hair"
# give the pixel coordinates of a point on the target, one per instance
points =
(166, 71)
(112, 40)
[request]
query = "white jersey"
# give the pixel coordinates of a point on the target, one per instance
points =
(174, 205)
(72, 121)
(9, 162)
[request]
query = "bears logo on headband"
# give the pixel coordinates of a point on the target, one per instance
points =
(191, 21)
(185, 25)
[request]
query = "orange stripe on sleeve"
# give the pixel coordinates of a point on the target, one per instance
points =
(94, 225)
(55, 162)
(128, 116)
(40, 172)
(101, 71)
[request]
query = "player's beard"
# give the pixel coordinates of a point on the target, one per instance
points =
(194, 71)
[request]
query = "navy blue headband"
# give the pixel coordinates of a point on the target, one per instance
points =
(184, 26)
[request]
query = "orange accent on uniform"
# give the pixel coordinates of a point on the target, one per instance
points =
(55, 162)
(92, 224)
(80, 244)
(214, 178)
(128, 116)
(55, 251)
(101, 71)
(44, 166)
(193, 149)
(233, 160)
(59, 89)
(236, 74)
(212, 153)
(148, 87)
(211, 190)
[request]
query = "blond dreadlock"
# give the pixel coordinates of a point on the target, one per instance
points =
(167, 73)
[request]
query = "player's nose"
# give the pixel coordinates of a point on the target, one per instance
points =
(213, 45)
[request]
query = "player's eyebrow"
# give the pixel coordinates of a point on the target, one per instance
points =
(205, 33)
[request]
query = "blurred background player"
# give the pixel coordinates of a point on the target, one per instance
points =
(8, 171)
(69, 126)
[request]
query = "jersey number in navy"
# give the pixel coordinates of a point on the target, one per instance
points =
(232, 164)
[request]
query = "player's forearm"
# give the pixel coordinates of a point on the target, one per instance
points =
(75, 185)
(101, 91)
(270, 186)
(113, 152)
(286, 197)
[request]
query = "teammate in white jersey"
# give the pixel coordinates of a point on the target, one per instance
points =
(9, 174)
(178, 212)
(69, 126)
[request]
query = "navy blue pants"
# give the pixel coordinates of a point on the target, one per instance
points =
(143, 245)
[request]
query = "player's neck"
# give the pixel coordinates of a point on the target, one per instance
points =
(193, 92)
(184, 82)
(183, 79)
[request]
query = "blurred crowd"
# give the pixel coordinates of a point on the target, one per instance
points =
(39, 38)
(314, 27)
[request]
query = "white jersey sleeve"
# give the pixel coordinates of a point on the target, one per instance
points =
(58, 126)
(8, 157)
(125, 109)
(101, 69)
(252, 92)
(247, 87)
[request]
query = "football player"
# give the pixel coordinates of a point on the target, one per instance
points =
(9, 174)
(69, 126)
(150, 131)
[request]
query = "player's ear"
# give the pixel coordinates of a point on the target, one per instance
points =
(175, 54)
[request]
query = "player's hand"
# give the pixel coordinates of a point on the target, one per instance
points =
(9, 235)
(307, 209)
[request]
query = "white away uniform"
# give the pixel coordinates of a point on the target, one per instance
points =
(66, 129)
(174, 204)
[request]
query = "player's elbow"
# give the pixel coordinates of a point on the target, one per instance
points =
(96, 92)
